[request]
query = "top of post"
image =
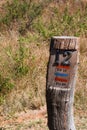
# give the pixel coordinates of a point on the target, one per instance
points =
(64, 37)
(65, 42)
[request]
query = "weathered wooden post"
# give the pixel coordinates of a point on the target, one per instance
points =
(61, 78)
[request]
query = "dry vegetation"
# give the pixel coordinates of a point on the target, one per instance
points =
(25, 30)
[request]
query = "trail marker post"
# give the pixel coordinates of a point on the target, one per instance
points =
(61, 78)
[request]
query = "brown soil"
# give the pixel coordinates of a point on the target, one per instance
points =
(25, 120)
(36, 120)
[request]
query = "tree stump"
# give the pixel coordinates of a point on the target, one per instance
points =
(60, 84)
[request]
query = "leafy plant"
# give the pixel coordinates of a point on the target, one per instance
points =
(20, 68)
(5, 85)
(15, 11)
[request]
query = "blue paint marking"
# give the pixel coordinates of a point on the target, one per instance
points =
(61, 74)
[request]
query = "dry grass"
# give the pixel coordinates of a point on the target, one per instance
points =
(81, 89)
(29, 91)
(29, 88)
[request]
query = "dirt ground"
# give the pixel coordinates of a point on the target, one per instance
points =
(35, 120)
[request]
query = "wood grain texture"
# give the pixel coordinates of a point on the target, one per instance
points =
(66, 43)
(60, 94)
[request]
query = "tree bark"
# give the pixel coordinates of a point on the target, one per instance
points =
(60, 84)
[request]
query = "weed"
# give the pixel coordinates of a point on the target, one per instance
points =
(25, 14)
(20, 68)
(26, 65)
(5, 85)
(2, 98)
(15, 10)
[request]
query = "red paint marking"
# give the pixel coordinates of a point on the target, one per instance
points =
(63, 67)
(60, 79)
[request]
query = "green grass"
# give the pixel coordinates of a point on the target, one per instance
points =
(23, 62)
(29, 16)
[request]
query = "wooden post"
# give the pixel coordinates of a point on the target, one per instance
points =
(61, 78)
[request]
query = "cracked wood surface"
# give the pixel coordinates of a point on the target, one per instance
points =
(60, 93)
